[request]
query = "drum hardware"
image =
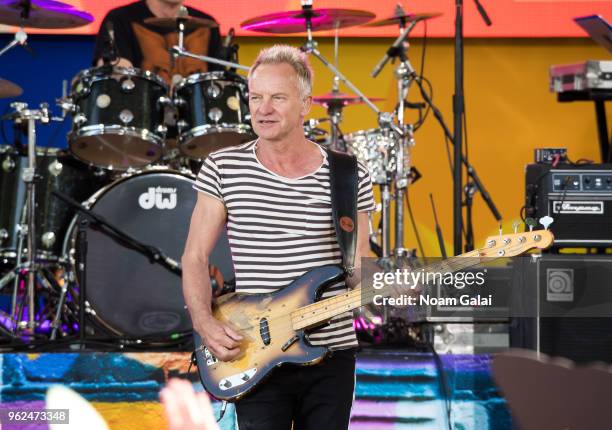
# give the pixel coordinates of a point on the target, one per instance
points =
(179, 51)
(313, 132)
(31, 116)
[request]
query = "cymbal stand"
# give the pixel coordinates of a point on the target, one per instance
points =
(405, 74)
(179, 51)
(21, 36)
(403, 141)
(20, 39)
(29, 177)
(334, 110)
(310, 47)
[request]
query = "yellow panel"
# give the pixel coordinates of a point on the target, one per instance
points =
(132, 415)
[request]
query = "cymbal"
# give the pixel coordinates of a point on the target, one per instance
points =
(404, 18)
(341, 99)
(294, 21)
(9, 89)
(43, 14)
(191, 23)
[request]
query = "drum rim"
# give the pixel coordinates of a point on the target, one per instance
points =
(69, 242)
(40, 150)
(364, 132)
(115, 129)
(203, 130)
(208, 129)
(216, 75)
(101, 73)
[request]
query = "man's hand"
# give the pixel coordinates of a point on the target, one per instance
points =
(220, 339)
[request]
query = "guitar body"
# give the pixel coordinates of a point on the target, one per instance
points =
(264, 320)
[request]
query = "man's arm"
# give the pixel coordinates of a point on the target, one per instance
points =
(363, 248)
(207, 221)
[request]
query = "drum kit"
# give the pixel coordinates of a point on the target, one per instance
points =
(126, 237)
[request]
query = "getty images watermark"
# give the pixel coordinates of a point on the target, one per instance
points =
(408, 287)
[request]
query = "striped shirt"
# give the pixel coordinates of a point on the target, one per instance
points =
(280, 228)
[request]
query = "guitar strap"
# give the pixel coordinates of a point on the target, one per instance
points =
(343, 182)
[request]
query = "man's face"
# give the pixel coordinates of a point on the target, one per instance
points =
(276, 105)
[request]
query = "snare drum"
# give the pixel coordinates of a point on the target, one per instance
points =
(377, 151)
(56, 171)
(213, 113)
(119, 117)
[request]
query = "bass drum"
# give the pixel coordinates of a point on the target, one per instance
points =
(128, 295)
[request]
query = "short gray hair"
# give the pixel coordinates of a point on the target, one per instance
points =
(279, 54)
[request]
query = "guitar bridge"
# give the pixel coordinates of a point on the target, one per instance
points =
(236, 380)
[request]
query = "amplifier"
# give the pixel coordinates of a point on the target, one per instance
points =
(567, 309)
(578, 197)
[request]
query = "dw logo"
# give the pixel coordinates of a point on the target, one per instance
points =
(160, 198)
(559, 285)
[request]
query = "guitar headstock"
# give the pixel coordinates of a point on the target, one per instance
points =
(510, 245)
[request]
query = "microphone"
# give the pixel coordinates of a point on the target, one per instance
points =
(229, 38)
(482, 12)
(393, 50)
(228, 50)
(110, 53)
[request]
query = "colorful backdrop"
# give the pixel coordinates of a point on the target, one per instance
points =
(511, 18)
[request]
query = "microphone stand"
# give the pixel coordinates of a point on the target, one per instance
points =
(458, 110)
(458, 113)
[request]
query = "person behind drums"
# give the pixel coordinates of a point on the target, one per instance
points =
(144, 46)
(273, 194)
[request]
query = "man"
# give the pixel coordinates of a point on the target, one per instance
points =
(274, 196)
(146, 47)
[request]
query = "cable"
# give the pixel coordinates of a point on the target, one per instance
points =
(412, 221)
(428, 108)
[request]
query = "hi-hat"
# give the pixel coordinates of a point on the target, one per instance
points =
(340, 99)
(191, 23)
(42, 14)
(9, 89)
(403, 19)
(294, 21)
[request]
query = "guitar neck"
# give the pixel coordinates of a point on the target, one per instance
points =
(321, 311)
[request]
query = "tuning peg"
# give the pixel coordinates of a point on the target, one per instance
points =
(515, 226)
(531, 223)
(546, 221)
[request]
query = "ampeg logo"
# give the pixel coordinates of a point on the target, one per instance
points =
(575, 207)
(560, 285)
(160, 198)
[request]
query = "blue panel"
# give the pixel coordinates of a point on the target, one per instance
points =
(40, 74)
